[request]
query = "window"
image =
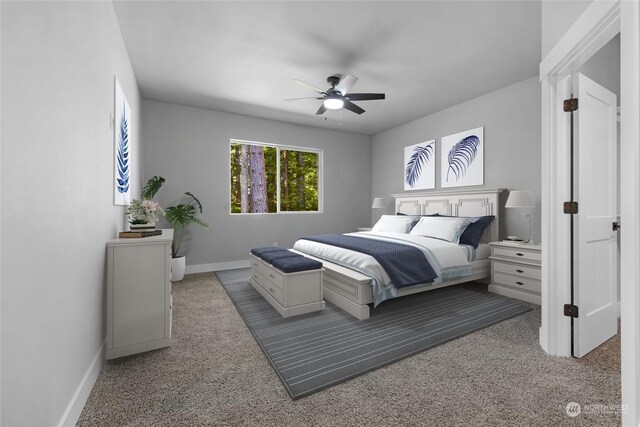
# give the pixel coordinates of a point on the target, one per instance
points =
(268, 178)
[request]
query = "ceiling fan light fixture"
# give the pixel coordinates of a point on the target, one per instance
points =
(333, 103)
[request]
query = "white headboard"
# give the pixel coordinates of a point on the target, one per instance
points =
(478, 202)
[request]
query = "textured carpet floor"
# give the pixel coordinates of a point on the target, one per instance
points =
(317, 350)
(215, 374)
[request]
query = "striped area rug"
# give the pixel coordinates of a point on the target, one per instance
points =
(317, 350)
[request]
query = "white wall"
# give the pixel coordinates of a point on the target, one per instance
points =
(190, 148)
(58, 65)
(511, 120)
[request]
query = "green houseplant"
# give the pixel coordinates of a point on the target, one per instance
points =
(179, 215)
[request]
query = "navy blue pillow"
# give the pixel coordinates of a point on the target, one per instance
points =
(473, 233)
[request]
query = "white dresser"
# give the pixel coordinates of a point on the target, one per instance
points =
(138, 294)
(515, 270)
(289, 293)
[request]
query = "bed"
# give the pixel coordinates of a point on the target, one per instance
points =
(352, 291)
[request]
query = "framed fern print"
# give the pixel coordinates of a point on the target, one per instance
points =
(122, 161)
(462, 160)
(420, 166)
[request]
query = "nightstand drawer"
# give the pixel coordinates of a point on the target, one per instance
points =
(517, 282)
(515, 253)
(517, 270)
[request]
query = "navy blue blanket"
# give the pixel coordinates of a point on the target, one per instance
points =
(404, 264)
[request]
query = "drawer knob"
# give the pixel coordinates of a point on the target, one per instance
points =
(520, 254)
(520, 271)
(520, 283)
(272, 276)
(272, 291)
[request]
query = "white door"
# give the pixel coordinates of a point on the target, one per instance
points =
(595, 190)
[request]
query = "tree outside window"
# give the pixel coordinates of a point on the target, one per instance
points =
(261, 172)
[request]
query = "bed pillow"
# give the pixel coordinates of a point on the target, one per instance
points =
(441, 227)
(473, 233)
(395, 223)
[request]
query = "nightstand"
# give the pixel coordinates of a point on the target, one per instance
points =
(364, 228)
(515, 270)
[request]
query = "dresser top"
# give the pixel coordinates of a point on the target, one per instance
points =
(166, 236)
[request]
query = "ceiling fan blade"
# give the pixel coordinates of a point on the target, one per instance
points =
(353, 107)
(364, 96)
(346, 84)
(308, 86)
(296, 99)
(321, 110)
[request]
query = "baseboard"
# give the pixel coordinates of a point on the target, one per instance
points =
(79, 399)
(217, 266)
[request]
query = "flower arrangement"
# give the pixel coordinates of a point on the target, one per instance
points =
(144, 212)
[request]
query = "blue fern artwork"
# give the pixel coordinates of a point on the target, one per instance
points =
(121, 148)
(461, 156)
(122, 154)
(420, 157)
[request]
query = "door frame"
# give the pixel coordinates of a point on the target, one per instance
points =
(601, 21)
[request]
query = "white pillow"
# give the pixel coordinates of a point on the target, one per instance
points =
(444, 228)
(395, 223)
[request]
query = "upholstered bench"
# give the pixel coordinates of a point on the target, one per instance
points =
(290, 282)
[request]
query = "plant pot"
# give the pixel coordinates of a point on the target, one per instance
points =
(178, 266)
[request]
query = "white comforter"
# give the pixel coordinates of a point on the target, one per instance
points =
(448, 260)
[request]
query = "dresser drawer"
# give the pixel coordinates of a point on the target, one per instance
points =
(273, 276)
(518, 254)
(257, 276)
(256, 265)
(517, 270)
(532, 285)
(273, 290)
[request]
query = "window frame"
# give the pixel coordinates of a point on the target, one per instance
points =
(279, 147)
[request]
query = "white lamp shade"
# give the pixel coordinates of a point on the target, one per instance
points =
(520, 199)
(378, 203)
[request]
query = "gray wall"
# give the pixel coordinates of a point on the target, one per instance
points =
(190, 148)
(511, 120)
(58, 65)
(557, 18)
(604, 66)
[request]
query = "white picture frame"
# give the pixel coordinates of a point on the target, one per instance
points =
(420, 166)
(122, 148)
(462, 160)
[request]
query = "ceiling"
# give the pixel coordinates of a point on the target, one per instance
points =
(241, 56)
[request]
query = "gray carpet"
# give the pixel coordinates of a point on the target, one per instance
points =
(215, 374)
(317, 350)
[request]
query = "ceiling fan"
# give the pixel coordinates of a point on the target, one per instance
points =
(338, 96)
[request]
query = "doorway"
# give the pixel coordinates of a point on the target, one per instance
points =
(600, 22)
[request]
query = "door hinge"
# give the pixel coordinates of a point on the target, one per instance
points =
(571, 310)
(570, 104)
(570, 208)
(616, 226)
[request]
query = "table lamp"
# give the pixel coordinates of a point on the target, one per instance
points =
(522, 199)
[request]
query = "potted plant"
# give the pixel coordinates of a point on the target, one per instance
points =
(179, 216)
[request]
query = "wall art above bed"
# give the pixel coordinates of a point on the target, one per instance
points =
(462, 160)
(420, 166)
